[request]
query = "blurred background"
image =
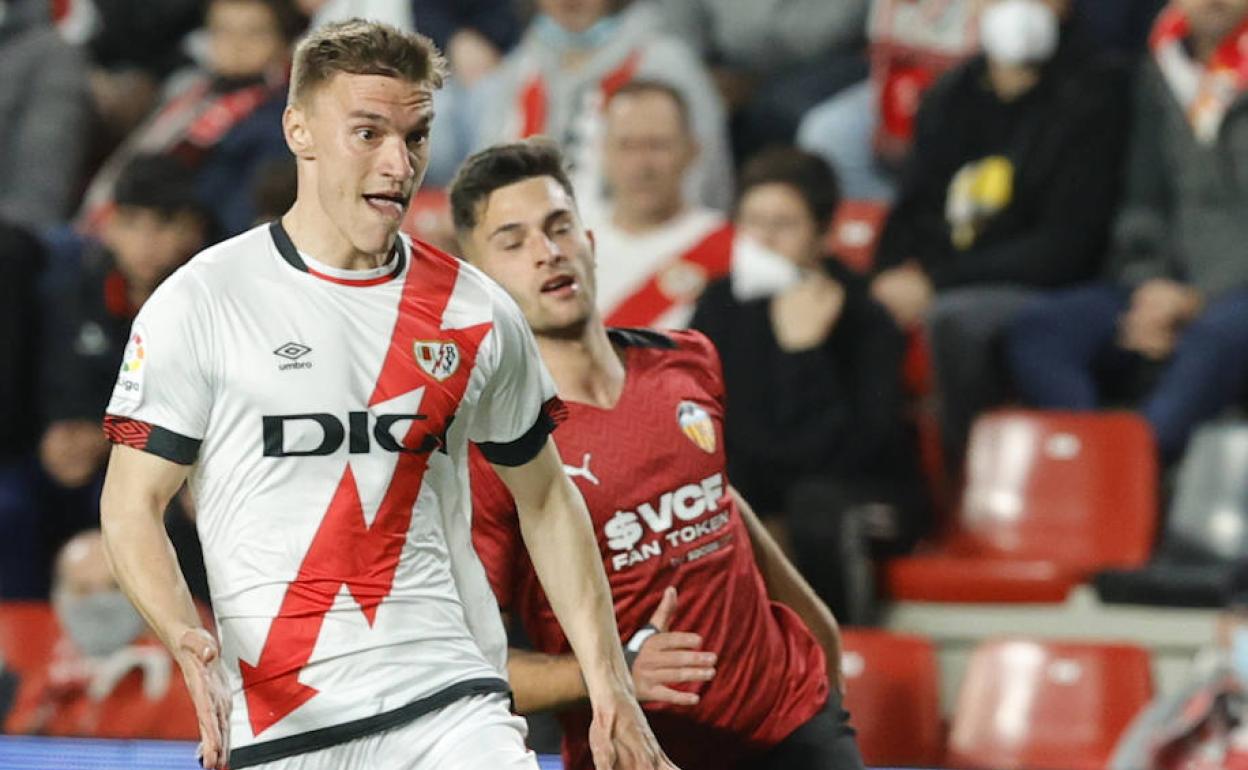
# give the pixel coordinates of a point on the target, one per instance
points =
(977, 270)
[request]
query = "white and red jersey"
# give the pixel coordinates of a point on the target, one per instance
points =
(327, 415)
(654, 279)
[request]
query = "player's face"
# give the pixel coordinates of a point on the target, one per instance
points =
(530, 239)
(647, 151)
(368, 147)
(244, 38)
(776, 216)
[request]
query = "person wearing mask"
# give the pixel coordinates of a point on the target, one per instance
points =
(828, 464)
(1009, 192)
(223, 120)
(1200, 725)
(1171, 318)
(656, 249)
(107, 676)
(558, 79)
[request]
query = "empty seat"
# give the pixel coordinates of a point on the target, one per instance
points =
(1046, 705)
(1050, 499)
(1206, 529)
(892, 692)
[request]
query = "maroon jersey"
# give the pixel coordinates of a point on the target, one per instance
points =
(652, 471)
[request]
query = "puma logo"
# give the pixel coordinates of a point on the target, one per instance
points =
(583, 471)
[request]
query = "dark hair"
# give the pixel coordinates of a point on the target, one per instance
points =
(638, 86)
(290, 20)
(499, 166)
(807, 173)
(359, 47)
(160, 183)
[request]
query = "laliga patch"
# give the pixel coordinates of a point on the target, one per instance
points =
(439, 359)
(129, 387)
(696, 424)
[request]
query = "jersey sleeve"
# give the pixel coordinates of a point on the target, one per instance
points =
(163, 395)
(518, 408)
(495, 528)
(707, 357)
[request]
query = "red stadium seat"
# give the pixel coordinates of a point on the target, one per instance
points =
(856, 232)
(1050, 499)
(28, 632)
(1046, 705)
(892, 691)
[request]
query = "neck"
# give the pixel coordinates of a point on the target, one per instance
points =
(1011, 81)
(313, 233)
(586, 369)
(634, 220)
(1205, 46)
(138, 295)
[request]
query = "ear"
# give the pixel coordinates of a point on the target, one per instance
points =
(693, 151)
(295, 129)
(593, 247)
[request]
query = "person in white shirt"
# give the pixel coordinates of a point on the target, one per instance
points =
(316, 381)
(656, 249)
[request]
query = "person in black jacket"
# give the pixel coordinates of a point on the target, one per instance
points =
(814, 430)
(1010, 189)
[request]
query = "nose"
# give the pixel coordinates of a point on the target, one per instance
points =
(396, 160)
(547, 251)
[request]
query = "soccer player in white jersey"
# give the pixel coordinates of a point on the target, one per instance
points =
(316, 382)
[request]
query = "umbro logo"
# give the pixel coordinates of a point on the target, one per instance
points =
(292, 352)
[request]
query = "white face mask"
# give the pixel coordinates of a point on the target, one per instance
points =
(1018, 31)
(100, 624)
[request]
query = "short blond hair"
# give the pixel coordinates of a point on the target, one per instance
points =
(360, 47)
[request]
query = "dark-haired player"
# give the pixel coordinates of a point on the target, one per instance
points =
(746, 683)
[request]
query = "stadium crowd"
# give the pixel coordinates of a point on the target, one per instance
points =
(890, 216)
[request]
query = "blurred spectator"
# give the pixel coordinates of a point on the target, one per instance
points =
(1201, 725)
(156, 224)
(44, 111)
(830, 456)
(133, 47)
(322, 12)
(224, 121)
(865, 130)
(773, 59)
(273, 188)
(108, 677)
(1009, 191)
(1177, 292)
(655, 251)
(472, 34)
(573, 56)
(21, 261)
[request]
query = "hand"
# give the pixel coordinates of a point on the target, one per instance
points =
(620, 738)
(667, 658)
(1159, 309)
(472, 56)
(905, 292)
(803, 316)
(199, 657)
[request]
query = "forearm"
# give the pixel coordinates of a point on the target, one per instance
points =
(543, 682)
(787, 586)
(565, 556)
(143, 560)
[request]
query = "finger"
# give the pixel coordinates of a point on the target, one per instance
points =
(674, 641)
(676, 659)
(662, 616)
(658, 693)
(682, 674)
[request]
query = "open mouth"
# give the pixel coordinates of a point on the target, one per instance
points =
(387, 204)
(558, 284)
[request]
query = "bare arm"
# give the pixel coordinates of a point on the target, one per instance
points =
(787, 586)
(561, 545)
(137, 489)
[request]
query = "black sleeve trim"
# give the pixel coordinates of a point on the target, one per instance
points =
(153, 439)
(325, 737)
(640, 338)
(526, 447)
